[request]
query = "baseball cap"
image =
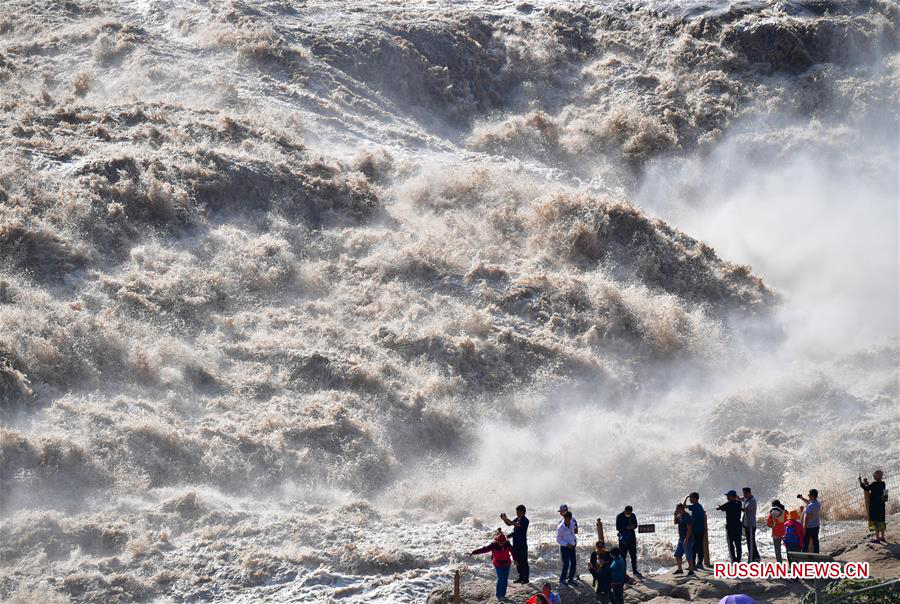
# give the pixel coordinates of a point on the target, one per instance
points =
(731, 493)
(563, 508)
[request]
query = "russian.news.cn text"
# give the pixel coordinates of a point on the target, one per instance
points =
(793, 570)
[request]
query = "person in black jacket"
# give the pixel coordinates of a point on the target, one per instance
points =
(520, 542)
(733, 527)
(877, 499)
(626, 525)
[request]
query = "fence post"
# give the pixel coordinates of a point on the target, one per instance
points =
(456, 587)
(600, 536)
(706, 537)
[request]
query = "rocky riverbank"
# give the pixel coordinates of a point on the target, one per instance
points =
(851, 545)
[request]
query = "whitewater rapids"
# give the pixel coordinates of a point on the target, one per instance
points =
(296, 297)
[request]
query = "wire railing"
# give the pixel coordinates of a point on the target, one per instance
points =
(841, 505)
(850, 503)
(871, 592)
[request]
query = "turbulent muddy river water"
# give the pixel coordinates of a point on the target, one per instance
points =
(297, 296)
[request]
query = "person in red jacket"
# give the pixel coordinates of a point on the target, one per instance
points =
(775, 521)
(502, 556)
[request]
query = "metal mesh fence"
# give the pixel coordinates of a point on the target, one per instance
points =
(656, 546)
(843, 506)
(850, 503)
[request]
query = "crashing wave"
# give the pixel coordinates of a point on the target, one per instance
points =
(260, 262)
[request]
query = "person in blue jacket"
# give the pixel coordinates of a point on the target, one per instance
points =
(699, 517)
(617, 569)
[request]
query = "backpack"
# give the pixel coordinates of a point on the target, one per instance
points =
(791, 537)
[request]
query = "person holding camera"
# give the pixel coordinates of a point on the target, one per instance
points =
(811, 521)
(733, 524)
(519, 542)
(877, 491)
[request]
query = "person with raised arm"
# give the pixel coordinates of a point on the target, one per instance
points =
(733, 526)
(811, 521)
(877, 492)
(502, 555)
(519, 541)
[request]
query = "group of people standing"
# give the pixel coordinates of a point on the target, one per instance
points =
(607, 567)
(796, 530)
(503, 554)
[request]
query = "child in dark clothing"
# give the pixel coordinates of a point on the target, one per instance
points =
(601, 570)
(617, 568)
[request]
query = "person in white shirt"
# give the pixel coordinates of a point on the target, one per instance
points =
(567, 540)
(562, 512)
